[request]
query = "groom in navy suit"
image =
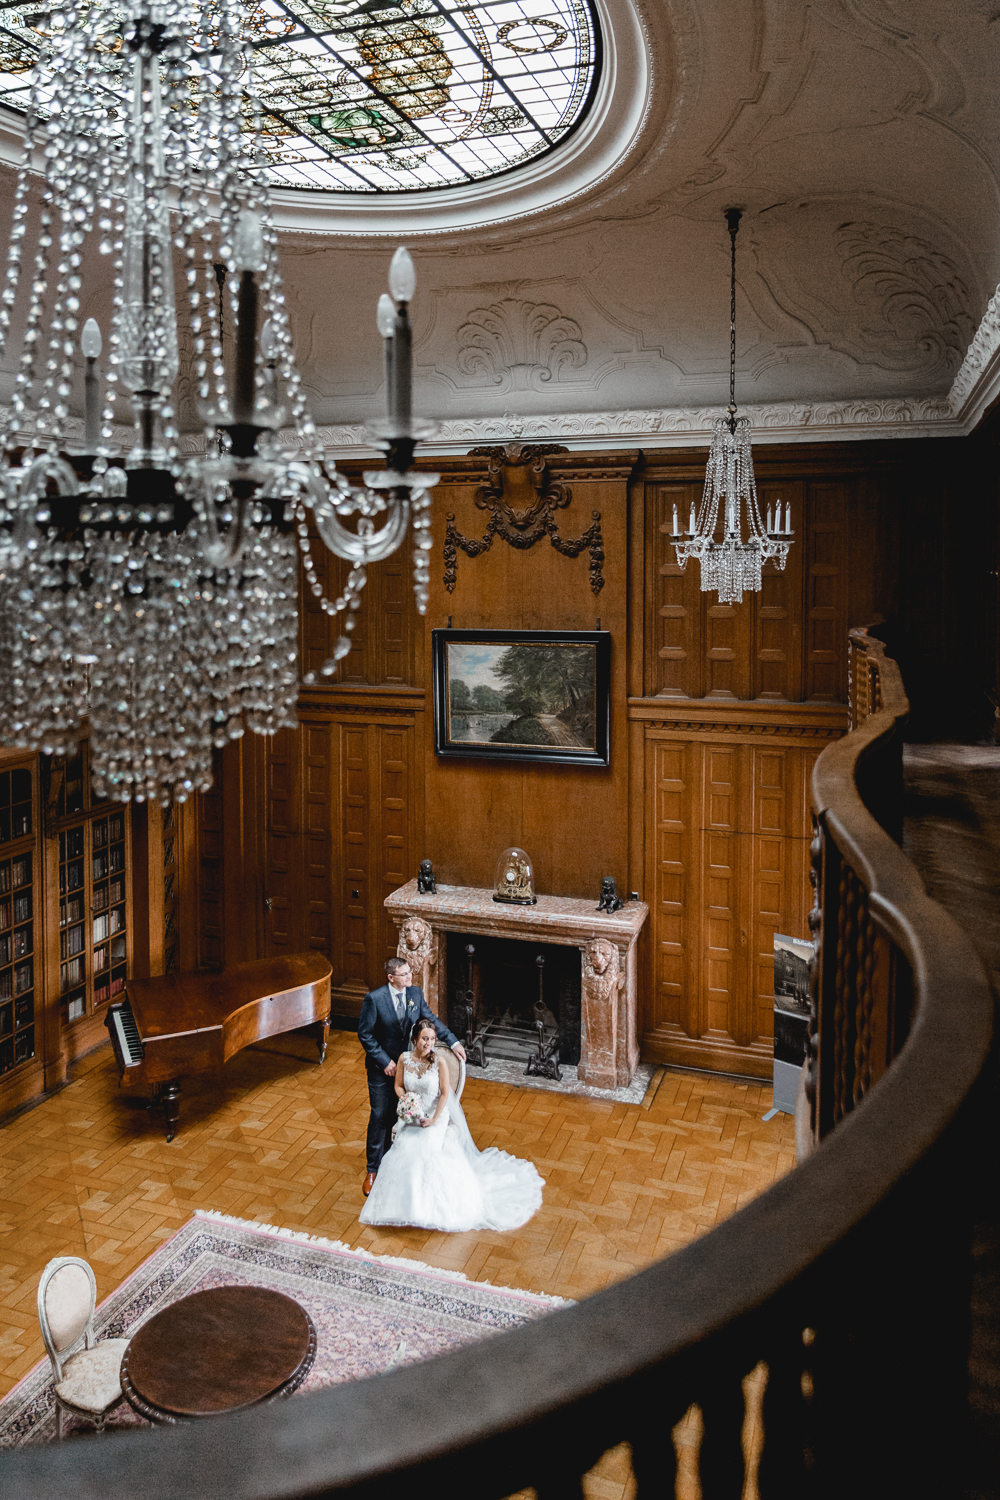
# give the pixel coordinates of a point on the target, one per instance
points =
(387, 1018)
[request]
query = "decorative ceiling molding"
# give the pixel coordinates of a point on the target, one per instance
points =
(674, 427)
(677, 427)
(977, 383)
(515, 345)
(975, 387)
(914, 291)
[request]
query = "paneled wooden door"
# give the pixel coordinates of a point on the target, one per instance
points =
(339, 838)
(298, 850)
(727, 865)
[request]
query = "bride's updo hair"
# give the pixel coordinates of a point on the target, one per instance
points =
(419, 1027)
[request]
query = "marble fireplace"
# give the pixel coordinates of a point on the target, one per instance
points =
(607, 944)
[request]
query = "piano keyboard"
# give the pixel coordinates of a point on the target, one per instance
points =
(125, 1038)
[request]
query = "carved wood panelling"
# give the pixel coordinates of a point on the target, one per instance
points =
(171, 872)
(573, 821)
(377, 851)
(787, 643)
(382, 648)
(316, 849)
(304, 836)
(521, 499)
(825, 545)
(298, 853)
(726, 869)
(210, 879)
(776, 665)
(281, 841)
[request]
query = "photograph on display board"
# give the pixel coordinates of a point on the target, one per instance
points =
(792, 957)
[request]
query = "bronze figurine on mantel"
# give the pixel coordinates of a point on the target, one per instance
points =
(610, 900)
(522, 499)
(426, 883)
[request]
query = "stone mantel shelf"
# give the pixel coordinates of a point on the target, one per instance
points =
(559, 919)
(609, 1048)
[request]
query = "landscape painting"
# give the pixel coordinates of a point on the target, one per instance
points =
(535, 695)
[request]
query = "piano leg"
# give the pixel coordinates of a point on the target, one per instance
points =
(322, 1037)
(166, 1096)
(171, 1099)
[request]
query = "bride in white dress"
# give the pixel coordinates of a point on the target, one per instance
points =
(433, 1177)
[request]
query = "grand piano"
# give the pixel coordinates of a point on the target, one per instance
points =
(184, 1024)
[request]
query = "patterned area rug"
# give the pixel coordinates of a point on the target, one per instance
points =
(371, 1312)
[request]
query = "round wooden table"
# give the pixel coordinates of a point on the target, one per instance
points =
(217, 1351)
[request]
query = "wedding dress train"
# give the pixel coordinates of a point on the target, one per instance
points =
(433, 1177)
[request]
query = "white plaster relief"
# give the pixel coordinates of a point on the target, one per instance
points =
(515, 345)
(979, 374)
(915, 292)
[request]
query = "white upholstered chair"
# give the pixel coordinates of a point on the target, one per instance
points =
(456, 1073)
(456, 1069)
(85, 1374)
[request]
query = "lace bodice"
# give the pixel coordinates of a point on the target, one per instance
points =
(426, 1085)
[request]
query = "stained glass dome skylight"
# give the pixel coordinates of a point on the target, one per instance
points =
(368, 96)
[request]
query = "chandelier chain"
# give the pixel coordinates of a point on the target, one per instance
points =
(733, 216)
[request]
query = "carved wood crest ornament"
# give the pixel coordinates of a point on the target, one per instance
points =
(522, 499)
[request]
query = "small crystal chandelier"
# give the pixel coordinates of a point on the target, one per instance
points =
(156, 604)
(731, 565)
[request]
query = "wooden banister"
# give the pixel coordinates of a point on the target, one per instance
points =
(848, 1279)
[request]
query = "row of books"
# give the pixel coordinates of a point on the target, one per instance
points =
(14, 1018)
(17, 1049)
(15, 872)
(15, 824)
(104, 992)
(101, 828)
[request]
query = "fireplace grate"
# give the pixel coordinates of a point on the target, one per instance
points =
(515, 1041)
(511, 1037)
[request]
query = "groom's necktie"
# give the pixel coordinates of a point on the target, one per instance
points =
(399, 999)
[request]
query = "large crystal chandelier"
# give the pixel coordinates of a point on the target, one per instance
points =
(156, 604)
(732, 565)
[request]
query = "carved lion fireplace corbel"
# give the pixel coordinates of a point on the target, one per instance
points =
(522, 499)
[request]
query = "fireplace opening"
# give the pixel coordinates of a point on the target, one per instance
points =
(500, 992)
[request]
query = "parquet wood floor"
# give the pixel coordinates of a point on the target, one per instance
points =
(281, 1140)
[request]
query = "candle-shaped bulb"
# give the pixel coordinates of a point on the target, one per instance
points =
(769, 525)
(90, 344)
(385, 316)
(248, 242)
(788, 518)
(90, 340)
(402, 275)
(691, 520)
(676, 529)
(248, 256)
(268, 341)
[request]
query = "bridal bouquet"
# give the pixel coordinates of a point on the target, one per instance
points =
(409, 1109)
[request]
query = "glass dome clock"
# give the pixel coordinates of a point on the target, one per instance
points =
(514, 882)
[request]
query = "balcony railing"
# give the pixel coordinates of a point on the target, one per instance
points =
(846, 1285)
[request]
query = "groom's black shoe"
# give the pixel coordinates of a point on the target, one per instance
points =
(368, 1183)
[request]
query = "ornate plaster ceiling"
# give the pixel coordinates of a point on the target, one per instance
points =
(860, 137)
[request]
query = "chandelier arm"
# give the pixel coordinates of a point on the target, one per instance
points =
(45, 470)
(358, 547)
